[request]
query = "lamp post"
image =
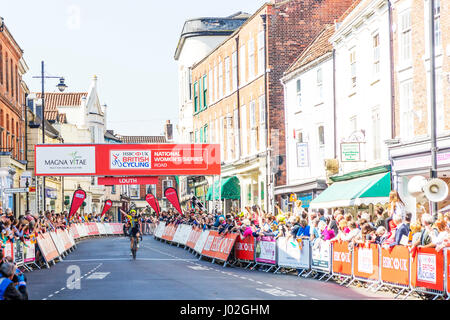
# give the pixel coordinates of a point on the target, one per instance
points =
(434, 148)
(61, 87)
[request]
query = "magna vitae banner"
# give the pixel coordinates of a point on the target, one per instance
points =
(123, 160)
(106, 206)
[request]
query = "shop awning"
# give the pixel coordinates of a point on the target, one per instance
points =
(230, 189)
(372, 189)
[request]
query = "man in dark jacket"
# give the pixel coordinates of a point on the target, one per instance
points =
(12, 284)
(402, 230)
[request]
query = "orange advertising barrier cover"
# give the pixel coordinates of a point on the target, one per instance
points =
(245, 248)
(447, 252)
(342, 258)
(65, 239)
(169, 232)
(47, 247)
(219, 246)
(366, 261)
(395, 265)
(427, 269)
(193, 237)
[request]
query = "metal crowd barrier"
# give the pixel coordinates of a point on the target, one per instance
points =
(427, 272)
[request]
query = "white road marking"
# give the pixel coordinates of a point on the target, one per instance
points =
(98, 275)
(276, 292)
(198, 268)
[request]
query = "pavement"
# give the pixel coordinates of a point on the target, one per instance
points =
(102, 269)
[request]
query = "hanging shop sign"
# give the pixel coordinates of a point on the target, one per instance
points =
(127, 159)
(350, 151)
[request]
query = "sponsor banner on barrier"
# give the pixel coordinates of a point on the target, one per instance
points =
(290, 255)
(8, 251)
(321, 255)
(108, 228)
(193, 237)
(169, 232)
(47, 247)
(265, 251)
(74, 231)
(92, 229)
(245, 248)
(447, 267)
(29, 252)
(366, 262)
(342, 258)
(428, 269)
(185, 235)
(117, 228)
(201, 242)
(160, 229)
(218, 246)
(58, 242)
(71, 239)
(395, 265)
(18, 252)
(101, 228)
(182, 234)
(82, 230)
(64, 239)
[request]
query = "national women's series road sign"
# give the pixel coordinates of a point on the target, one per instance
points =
(127, 159)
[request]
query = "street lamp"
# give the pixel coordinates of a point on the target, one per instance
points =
(434, 148)
(61, 87)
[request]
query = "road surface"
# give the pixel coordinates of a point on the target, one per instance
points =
(102, 268)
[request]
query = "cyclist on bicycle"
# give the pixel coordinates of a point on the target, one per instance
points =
(134, 227)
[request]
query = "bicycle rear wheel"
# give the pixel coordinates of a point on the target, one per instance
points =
(134, 249)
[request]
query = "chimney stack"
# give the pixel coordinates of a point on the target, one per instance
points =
(168, 131)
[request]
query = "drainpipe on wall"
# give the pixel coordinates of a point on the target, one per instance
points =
(268, 152)
(334, 105)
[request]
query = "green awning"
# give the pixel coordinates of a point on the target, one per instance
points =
(365, 190)
(230, 189)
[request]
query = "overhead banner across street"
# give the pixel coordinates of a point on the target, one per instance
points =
(127, 159)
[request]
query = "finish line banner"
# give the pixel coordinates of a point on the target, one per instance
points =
(127, 159)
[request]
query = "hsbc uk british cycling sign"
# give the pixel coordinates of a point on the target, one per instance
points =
(127, 159)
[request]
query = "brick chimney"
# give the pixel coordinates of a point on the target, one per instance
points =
(168, 131)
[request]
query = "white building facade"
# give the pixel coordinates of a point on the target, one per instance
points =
(363, 86)
(309, 119)
(85, 122)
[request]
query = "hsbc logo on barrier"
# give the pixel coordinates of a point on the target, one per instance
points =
(244, 246)
(395, 263)
(130, 159)
(341, 257)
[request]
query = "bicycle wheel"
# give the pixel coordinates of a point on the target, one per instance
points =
(134, 248)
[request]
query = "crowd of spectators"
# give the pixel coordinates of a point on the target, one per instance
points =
(27, 227)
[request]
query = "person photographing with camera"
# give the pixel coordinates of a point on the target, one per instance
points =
(12, 282)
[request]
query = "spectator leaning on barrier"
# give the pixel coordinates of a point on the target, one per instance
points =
(381, 235)
(442, 228)
(427, 233)
(380, 220)
(401, 236)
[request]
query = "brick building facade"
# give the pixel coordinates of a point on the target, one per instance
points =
(410, 152)
(238, 97)
(12, 124)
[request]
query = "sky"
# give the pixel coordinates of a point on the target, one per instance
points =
(129, 45)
